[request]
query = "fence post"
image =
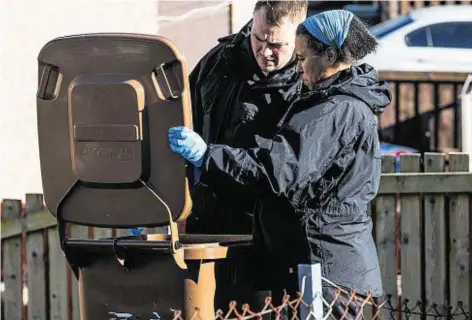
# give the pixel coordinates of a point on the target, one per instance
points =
(35, 261)
(57, 276)
(11, 256)
(459, 230)
(385, 219)
(411, 220)
(310, 286)
(435, 239)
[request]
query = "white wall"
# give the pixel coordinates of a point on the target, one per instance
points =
(181, 21)
(241, 13)
(25, 26)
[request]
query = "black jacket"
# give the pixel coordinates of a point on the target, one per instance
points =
(232, 102)
(316, 178)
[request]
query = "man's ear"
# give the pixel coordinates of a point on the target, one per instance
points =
(331, 55)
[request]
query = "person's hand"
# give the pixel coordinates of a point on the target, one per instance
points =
(188, 144)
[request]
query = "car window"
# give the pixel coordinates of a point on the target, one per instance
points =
(452, 35)
(385, 28)
(419, 38)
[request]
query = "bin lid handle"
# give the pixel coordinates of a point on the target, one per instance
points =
(176, 247)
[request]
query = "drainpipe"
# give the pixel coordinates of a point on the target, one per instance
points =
(466, 118)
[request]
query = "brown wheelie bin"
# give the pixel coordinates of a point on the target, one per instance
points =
(105, 103)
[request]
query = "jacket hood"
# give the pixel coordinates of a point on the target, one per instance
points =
(361, 82)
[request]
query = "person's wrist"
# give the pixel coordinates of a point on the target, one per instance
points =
(204, 156)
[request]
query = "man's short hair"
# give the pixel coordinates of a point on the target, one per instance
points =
(295, 10)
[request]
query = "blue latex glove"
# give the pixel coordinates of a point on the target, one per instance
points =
(135, 231)
(188, 144)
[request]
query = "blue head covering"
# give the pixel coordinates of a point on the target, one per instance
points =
(329, 27)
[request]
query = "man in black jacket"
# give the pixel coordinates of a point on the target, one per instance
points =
(240, 90)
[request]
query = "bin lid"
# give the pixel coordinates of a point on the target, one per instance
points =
(105, 103)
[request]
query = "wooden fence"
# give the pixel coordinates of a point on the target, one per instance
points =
(32, 258)
(421, 226)
(422, 230)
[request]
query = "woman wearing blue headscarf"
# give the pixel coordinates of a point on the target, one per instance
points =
(317, 176)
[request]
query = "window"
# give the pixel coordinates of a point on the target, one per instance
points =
(452, 35)
(385, 28)
(442, 35)
(419, 38)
